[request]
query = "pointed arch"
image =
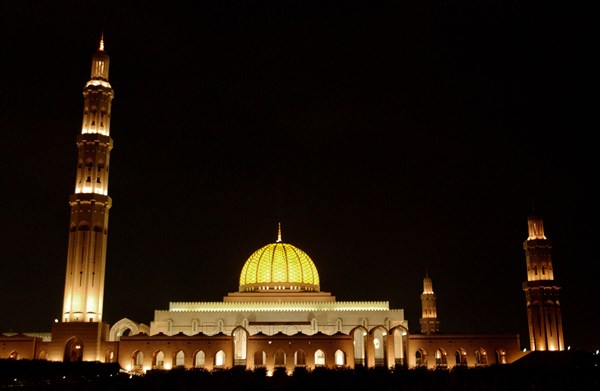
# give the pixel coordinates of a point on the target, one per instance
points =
(359, 334)
(110, 356)
(501, 356)
(340, 358)
(380, 351)
(260, 359)
(137, 360)
(240, 345)
(399, 335)
(481, 357)
(319, 358)
(280, 358)
(179, 359)
(421, 358)
(441, 358)
(158, 360)
(125, 327)
(73, 350)
(220, 359)
(199, 359)
(299, 358)
(460, 357)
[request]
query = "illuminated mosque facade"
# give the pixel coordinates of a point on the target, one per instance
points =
(279, 318)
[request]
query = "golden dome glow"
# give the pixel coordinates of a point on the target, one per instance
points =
(279, 266)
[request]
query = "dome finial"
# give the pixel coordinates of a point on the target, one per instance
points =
(279, 233)
(101, 47)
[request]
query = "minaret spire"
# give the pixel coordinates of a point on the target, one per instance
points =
(428, 321)
(541, 292)
(90, 203)
(279, 233)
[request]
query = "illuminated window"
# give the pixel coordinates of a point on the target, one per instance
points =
(159, 360)
(109, 357)
(138, 359)
(481, 357)
(340, 358)
(461, 357)
(501, 356)
(421, 358)
(319, 358)
(220, 358)
(240, 339)
(179, 359)
(441, 359)
(360, 339)
(199, 359)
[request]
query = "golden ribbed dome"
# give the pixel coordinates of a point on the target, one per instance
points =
(279, 266)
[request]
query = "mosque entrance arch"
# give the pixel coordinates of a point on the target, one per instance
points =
(399, 335)
(380, 346)
(240, 342)
(73, 350)
(360, 344)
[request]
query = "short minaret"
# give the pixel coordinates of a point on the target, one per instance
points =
(541, 293)
(429, 321)
(88, 228)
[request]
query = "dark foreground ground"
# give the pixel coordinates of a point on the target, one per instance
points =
(34, 375)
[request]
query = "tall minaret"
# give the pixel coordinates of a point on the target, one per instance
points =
(88, 229)
(543, 305)
(429, 321)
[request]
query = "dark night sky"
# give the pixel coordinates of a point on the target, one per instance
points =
(388, 138)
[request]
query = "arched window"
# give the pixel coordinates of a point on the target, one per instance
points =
(279, 358)
(138, 359)
(179, 359)
(158, 360)
(199, 359)
(220, 359)
(340, 358)
(319, 358)
(441, 358)
(260, 359)
(109, 356)
(240, 338)
(299, 358)
(481, 357)
(460, 357)
(501, 356)
(421, 358)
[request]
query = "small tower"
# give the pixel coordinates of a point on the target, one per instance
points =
(429, 321)
(541, 293)
(88, 228)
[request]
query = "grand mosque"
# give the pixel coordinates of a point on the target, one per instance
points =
(279, 317)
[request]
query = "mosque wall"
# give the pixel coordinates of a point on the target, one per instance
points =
(18, 347)
(449, 350)
(272, 322)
